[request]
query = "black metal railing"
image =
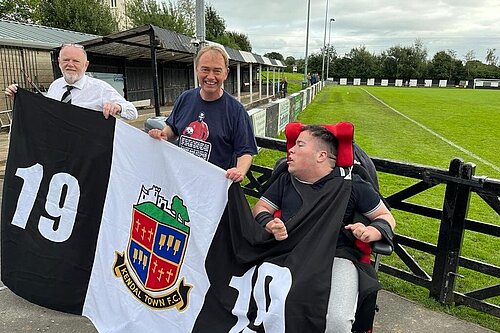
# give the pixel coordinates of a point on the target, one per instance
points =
(460, 183)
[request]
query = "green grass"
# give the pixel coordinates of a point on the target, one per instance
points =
(294, 80)
(411, 125)
(452, 113)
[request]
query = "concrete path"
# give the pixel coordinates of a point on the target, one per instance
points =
(397, 315)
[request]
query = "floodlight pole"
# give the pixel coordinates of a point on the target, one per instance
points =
(324, 44)
(199, 40)
(307, 39)
(328, 51)
(200, 22)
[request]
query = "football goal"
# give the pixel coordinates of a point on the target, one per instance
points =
(486, 83)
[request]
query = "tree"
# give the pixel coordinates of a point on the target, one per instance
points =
(164, 15)
(93, 18)
(479, 70)
(20, 10)
(226, 40)
(411, 62)
(469, 56)
(445, 65)
(301, 64)
(315, 62)
(330, 55)
(389, 66)
(475, 69)
(187, 9)
(441, 65)
(180, 210)
(419, 56)
(363, 63)
(240, 40)
(215, 26)
(275, 55)
(290, 61)
(234, 40)
(491, 58)
(340, 67)
(404, 62)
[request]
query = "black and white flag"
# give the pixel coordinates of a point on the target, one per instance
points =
(101, 220)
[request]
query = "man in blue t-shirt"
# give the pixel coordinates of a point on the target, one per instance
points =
(209, 122)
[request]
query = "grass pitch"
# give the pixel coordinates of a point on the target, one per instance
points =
(426, 126)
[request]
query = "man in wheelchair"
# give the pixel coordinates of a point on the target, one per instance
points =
(311, 165)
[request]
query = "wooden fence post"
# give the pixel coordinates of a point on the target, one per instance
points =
(451, 232)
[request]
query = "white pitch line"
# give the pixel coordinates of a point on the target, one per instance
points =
(451, 143)
(2, 288)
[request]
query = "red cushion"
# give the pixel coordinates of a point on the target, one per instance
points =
(343, 131)
(292, 131)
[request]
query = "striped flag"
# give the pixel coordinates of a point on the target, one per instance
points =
(101, 220)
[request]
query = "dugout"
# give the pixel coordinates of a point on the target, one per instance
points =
(157, 64)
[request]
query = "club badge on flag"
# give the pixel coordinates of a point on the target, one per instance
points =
(158, 239)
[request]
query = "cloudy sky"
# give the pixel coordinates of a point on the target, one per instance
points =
(280, 26)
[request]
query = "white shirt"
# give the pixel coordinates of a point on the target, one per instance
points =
(92, 93)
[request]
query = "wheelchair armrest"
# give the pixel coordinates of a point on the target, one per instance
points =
(381, 247)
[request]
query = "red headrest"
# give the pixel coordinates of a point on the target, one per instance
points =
(343, 131)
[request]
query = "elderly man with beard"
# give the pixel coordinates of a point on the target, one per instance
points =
(227, 138)
(79, 89)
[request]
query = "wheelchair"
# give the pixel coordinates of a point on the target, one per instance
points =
(350, 156)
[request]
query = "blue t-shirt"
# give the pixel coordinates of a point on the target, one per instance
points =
(218, 131)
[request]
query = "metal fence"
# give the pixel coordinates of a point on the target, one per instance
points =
(26, 67)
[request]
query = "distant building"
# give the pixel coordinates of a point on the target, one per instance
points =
(119, 10)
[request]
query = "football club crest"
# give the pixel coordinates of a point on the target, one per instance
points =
(158, 240)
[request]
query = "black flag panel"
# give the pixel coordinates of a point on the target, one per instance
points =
(57, 169)
(267, 285)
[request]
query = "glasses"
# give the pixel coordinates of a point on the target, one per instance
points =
(73, 44)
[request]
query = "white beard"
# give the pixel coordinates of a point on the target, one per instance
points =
(71, 78)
